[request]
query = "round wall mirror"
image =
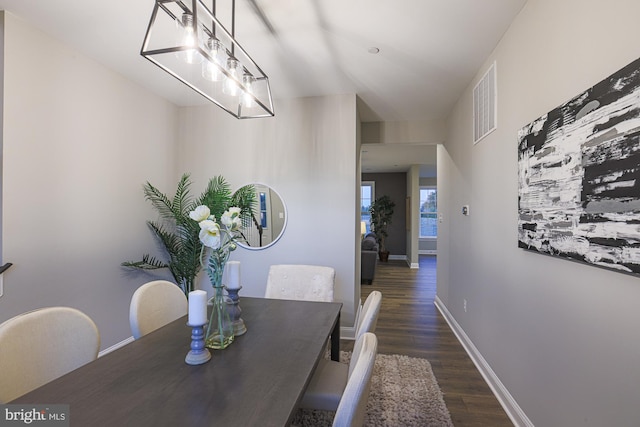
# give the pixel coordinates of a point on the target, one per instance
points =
(268, 221)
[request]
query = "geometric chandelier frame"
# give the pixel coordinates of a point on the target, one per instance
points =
(186, 39)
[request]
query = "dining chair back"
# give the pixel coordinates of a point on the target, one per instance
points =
(368, 318)
(41, 345)
(301, 282)
(353, 403)
(155, 304)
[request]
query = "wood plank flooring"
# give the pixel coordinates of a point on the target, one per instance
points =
(410, 324)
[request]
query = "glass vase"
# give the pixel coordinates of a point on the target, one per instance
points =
(220, 330)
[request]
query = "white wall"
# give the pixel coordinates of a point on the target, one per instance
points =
(308, 154)
(404, 132)
(79, 142)
(559, 336)
(413, 225)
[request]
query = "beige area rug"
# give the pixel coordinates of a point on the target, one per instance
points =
(404, 392)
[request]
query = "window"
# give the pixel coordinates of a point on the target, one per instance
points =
(367, 194)
(263, 209)
(428, 212)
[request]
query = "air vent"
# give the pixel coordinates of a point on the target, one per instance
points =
(485, 105)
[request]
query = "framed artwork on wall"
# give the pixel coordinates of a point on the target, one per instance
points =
(579, 176)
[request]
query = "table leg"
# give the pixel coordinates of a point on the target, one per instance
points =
(335, 341)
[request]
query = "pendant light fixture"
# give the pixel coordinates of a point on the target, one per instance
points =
(186, 39)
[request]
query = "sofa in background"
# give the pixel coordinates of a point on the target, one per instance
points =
(369, 258)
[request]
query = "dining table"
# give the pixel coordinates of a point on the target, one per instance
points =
(257, 381)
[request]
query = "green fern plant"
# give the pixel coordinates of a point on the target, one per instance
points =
(381, 211)
(178, 234)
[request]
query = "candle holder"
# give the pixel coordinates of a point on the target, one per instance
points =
(233, 307)
(198, 353)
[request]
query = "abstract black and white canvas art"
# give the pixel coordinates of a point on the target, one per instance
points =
(579, 176)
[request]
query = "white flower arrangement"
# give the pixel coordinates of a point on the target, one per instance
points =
(220, 238)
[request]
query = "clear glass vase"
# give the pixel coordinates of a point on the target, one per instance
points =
(220, 330)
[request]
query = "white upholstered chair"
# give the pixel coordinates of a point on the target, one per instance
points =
(301, 282)
(41, 345)
(368, 319)
(155, 304)
(330, 379)
(353, 404)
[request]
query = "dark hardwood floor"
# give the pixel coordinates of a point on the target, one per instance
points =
(410, 324)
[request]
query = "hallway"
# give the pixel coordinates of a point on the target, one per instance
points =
(410, 324)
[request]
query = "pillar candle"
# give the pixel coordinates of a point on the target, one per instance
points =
(233, 275)
(197, 308)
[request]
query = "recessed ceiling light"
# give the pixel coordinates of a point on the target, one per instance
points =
(374, 50)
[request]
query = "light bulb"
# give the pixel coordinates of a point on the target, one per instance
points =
(247, 99)
(231, 85)
(187, 37)
(211, 70)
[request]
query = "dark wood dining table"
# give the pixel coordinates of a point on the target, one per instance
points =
(257, 381)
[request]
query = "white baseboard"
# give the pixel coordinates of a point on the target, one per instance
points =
(405, 259)
(348, 332)
(115, 346)
(509, 404)
(428, 252)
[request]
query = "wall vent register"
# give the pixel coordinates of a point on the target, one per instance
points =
(485, 105)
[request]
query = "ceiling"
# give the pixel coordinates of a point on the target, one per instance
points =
(429, 50)
(378, 158)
